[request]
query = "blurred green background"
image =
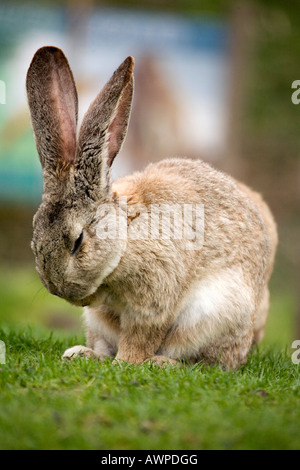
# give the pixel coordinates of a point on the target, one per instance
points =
(237, 59)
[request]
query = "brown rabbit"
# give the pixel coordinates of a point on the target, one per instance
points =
(148, 291)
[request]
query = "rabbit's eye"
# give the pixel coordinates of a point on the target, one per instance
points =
(77, 244)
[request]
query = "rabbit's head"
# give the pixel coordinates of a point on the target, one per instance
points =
(71, 258)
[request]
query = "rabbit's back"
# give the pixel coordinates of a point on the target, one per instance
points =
(238, 228)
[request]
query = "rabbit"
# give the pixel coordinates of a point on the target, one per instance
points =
(165, 300)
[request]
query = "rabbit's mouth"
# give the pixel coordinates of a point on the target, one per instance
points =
(84, 302)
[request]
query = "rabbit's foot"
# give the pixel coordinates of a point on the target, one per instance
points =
(79, 351)
(163, 361)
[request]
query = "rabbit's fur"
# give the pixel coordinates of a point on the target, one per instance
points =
(144, 297)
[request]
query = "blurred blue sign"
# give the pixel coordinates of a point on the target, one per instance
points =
(191, 52)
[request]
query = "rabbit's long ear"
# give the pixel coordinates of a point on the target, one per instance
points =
(103, 130)
(53, 104)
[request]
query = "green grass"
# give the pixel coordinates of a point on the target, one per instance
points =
(46, 403)
(49, 404)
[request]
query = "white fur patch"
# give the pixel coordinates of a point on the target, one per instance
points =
(223, 296)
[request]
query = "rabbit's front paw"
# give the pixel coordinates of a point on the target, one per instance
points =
(163, 361)
(79, 351)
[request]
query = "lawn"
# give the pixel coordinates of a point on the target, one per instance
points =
(50, 404)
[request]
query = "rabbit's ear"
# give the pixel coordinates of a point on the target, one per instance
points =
(53, 104)
(103, 130)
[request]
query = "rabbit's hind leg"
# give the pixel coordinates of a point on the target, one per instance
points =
(229, 353)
